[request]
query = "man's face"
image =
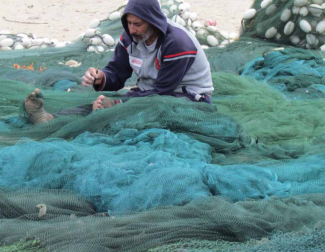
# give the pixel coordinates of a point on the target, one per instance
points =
(139, 29)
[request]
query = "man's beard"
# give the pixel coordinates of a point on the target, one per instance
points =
(147, 35)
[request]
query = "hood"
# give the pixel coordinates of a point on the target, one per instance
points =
(149, 11)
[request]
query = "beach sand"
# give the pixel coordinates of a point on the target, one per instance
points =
(65, 20)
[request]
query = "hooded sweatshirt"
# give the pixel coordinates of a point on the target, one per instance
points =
(174, 64)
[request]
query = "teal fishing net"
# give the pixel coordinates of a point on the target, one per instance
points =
(162, 173)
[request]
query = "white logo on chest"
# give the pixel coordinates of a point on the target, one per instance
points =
(137, 62)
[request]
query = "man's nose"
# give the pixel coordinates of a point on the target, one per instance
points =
(132, 29)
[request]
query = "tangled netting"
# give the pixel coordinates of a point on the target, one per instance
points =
(159, 173)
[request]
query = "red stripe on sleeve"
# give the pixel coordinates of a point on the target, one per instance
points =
(180, 54)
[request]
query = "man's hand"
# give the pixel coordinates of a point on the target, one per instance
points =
(93, 76)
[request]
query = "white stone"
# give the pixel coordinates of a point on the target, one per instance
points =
(95, 41)
(295, 9)
(285, 15)
(249, 14)
(193, 16)
(270, 33)
(177, 19)
(320, 28)
(303, 11)
(288, 28)
(196, 25)
(311, 39)
(233, 35)
(185, 15)
(315, 9)
(91, 49)
(108, 40)
(7, 42)
(300, 3)
(37, 41)
(18, 46)
(94, 24)
(202, 32)
(26, 42)
(270, 10)
(294, 39)
(90, 33)
(265, 3)
(212, 41)
(46, 41)
(173, 9)
(100, 49)
(61, 44)
(224, 34)
(305, 26)
(182, 8)
(114, 16)
(54, 42)
(212, 28)
(187, 6)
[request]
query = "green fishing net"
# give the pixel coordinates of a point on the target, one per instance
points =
(162, 173)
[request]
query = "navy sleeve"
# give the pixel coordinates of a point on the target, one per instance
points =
(117, 71)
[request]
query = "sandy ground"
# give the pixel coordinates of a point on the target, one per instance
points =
(65, 20)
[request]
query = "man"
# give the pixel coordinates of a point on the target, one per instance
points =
(167, 59)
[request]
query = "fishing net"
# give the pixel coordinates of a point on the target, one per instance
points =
(162, 173)
(294, 22)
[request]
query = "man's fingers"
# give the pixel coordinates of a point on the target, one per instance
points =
(85, 82)
(92, 77)
(87, 79)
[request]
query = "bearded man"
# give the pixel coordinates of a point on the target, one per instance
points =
(167, 59)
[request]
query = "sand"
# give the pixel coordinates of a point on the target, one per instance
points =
(65, 20)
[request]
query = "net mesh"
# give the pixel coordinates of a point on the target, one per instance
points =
(162, 173)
